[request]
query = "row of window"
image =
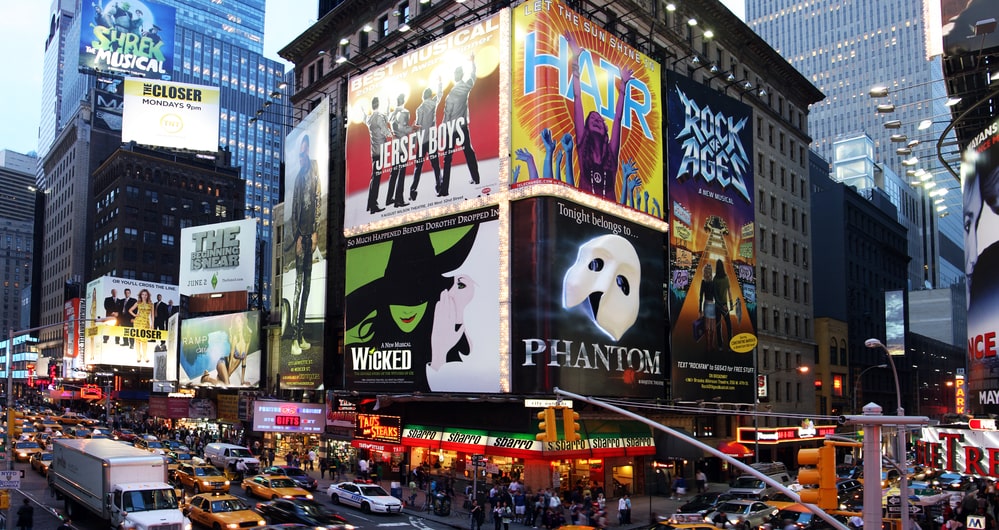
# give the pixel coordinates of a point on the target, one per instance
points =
(774, 321)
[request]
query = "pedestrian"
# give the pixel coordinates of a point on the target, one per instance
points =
(312, 459)
(701, 480)
(622, 507)
(241, 469)
(476, 516)
(323, 466)
(67, 524)
(25, 516)
(627, 509)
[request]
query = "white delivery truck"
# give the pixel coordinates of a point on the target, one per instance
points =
(124, 485)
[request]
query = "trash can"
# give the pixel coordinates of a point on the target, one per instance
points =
(395, 490)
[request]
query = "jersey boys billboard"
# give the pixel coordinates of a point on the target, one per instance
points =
(712, 284)
(588, 313)
(133, 37)
(586, 109)
(422, 306)
(423, 129)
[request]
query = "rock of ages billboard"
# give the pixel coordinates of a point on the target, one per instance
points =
(980, 176)
(422, 309)
(586, 109)
(587, 310)
(128, 37)
(423, 129)
(712, 286)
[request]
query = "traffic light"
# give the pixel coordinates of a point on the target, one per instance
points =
(822, 476)
(549, 431)
(569, 425)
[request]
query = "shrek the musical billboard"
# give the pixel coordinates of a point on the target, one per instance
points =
(712, 285)
(128, 37)
(588, 312)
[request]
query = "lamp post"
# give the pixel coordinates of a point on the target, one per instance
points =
(856, 383)
(903, 472)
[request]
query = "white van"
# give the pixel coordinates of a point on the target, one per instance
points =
(224, 455)
(751, 487)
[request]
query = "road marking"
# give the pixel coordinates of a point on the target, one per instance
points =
(393, 524)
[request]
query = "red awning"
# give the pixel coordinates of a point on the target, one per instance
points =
(735, 449)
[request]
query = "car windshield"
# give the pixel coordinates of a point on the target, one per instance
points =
(240, 452)
(313, 508)
(156, 445)
(282, 483)
(801, 518)
(183, 456)
(140, 501)
(207, 472)
(46, 456)
(731, 507)
(27, 445)
(229, 505)
(748, 482)
(372, 491)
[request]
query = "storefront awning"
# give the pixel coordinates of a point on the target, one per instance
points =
(422, 436)
(735, 449)
(378, 446)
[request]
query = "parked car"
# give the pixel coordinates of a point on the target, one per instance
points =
(294, 473)
(368, 497)
(310, 513)
(222, 511)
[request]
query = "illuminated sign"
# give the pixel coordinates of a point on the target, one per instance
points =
(280, 416)
(960, 395)
(784, 434)
(170, 114)
(378, 428)
(219, 257)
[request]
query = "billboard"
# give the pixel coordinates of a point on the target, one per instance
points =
(423, 129)
(140, 310)
(612, 127)
(218, 258)
(712, 286)
(980, 184)
(303, 279)
(221, 351)
(170, 114)
(422, 306)
(128, 38)
(587, 305)
(108, 104)
(282, 416)
(969, 26)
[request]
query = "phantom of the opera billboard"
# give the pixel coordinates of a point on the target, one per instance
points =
(712, 284)
(170, 114)
(221, 351)
(422, 309)
(587, 301)
(980, 181)
(140, 311)
(303, 279)
(423, 130)
(578, 89)
(128, 38)
(218, 258)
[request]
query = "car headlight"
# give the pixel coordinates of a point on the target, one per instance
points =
(287, 497)
(205, 483)
(232, 525)
(309, 496)
(227, 483)
(261, 523)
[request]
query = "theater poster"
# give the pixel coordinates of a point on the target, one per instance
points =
(588, 313)
(587, 111)
(423, 129)
(132, 38)
(422, 306)
(712, 286)
(127, 321)
(221, 351)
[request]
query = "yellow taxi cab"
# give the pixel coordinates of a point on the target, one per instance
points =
(219, 511)
(201, 478)
(274, 487)
(667, 524)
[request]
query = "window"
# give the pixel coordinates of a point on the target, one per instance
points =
(763, 279)
(149, 237)
(167, 240)
(383, 27)
(131, 233)
(132, 192)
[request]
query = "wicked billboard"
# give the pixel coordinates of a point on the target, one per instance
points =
(422, 309)
(712, 286)
(587, 301)
(134, 37)
(423, 129)
(578, 89)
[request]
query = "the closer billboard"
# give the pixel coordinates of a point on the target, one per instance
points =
(170, 114)
(980, 176)
(422, 309)
(587, 301)
(140, 311)
(586, 109)
(128, 38)
(303, 278)
(218, 258)
(712, 287)
(221, 351)
(424, 128)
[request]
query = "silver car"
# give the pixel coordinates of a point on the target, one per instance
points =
(755, 512)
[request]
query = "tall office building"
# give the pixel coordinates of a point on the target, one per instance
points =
(848, 48)
(214, 44)
(17, 210)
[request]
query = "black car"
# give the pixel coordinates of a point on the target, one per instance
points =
(301, 511)
(704, 502)
(294, 473)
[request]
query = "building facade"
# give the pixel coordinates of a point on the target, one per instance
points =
(17, 204)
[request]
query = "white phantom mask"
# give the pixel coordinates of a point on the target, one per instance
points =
(606, 277)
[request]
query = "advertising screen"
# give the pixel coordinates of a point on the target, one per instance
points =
(221, 351)
(280, 416)
(980, 183)
(587, 301)
(605, 141)
(712, 287)
(128, 38)
(422, 309)
(218, 258)
(423, 129)
(303, 279)
(140, 311)
(169, 114)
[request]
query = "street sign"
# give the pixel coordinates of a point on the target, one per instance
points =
(545, 403)
(10, 479)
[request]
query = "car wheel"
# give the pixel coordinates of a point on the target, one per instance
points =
(274, 497)
(216, 526)
(365, 507)
(334, 498)
(197, 489)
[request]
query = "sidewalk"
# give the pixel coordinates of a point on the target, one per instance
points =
(644, 508)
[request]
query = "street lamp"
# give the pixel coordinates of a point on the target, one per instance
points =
(856, 383)
(903, 471)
